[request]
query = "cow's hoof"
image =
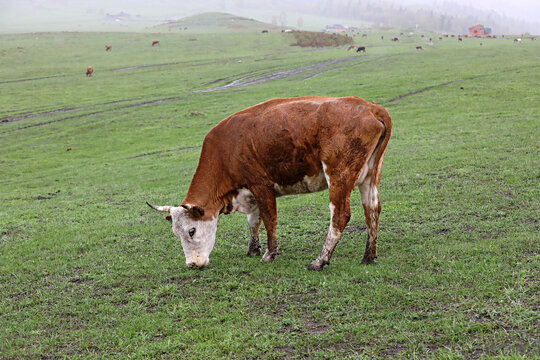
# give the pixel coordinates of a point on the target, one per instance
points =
(316, 265)
(269, 257)
(368, 260)
(254, 252)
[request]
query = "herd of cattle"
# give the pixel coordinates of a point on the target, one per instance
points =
(90, 70)
(430, 41)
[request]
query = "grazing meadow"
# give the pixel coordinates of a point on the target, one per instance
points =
(87, 270)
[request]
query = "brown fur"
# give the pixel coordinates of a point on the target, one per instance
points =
(89, 71)
(281, 141)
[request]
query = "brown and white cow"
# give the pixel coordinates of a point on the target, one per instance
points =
(281, 147)
(155, 42)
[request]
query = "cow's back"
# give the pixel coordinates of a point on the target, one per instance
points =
(283, 140)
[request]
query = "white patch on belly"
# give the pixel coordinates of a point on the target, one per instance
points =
(244, 202)
(363, 174)
(307, 185)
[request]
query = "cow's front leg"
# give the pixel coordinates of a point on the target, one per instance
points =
(254, 221)
(266, 200)
(340, 213)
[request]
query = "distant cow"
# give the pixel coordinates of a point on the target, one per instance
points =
(419, 48)
(518, 40)
(361, 48)
(481, 44)
(108, 47)
(382, 37)
(440, 37)
(89, 71)
(459, 39)
(283, 147)
(264, 32)
(422, 35)
(351, 47)
(395, 39)
(155, 42)
(364, 35)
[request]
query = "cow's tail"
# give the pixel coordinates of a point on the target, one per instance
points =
(378, 154)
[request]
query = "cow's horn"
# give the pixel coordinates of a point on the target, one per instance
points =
(160, 208)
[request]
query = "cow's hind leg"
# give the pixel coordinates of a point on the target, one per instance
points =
(340, 213)
(372, 209)
(254, 221)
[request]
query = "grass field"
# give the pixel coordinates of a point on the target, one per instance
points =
(87, 270)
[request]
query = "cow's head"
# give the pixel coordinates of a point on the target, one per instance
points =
(196, 233)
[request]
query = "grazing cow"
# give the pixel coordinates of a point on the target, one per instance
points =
(351, 47)
(264, 32)
(419, 48)
(481, 44)
(533, 38)
(459, 39)
(89, 71)
(282, 147)
(364, 35)
(155, 42)
(395, 39)
(445, 35)
(518, 40)
(108, 47)
(440, 37)
(361, 48)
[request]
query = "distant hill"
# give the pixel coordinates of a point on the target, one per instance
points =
(216, 21)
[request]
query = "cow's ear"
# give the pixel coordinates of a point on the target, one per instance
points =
(169, 218)
(196, 212)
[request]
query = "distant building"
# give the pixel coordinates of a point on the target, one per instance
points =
(120, 16)
(479, 31)
(335, 27)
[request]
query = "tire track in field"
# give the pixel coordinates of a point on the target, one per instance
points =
(426, 89)
(56, 111)
(162, 152)
(253, 80)
(456, 81)
(151, 102)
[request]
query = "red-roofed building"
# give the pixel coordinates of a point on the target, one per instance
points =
(479, 31)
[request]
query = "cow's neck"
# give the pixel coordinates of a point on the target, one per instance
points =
(209, 185)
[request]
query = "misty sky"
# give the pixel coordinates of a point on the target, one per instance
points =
(49, 11)
(528, 10)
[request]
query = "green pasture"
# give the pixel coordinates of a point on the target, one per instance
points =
(88, 271)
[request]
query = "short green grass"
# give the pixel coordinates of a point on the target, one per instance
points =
(87, 270)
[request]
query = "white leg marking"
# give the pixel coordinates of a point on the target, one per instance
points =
(370, 194)
(326, 174)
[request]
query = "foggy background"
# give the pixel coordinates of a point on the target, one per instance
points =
(504, 17)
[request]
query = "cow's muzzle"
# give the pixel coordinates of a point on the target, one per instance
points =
(196, 263)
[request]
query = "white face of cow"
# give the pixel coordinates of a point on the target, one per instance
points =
(197, 236)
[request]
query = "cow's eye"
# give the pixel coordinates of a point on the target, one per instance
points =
(191, 232)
